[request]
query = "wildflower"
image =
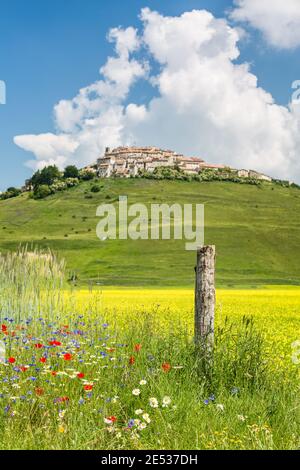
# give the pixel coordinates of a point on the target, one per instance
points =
(39, 391)
(137, 347)
(88, 388)
(142, 426)
(131, 360)
(166, 367)
(166, 402)
(53, 373)
(139, 412)
(143, 382)
(153, 402)
(110, 420)
(61, 429)
(38, 346)
(61, 399)
(3, 328)
(80, 375)
(11, 360)
(220, 407)
(43, 360)
(61, 414)
(131, 423)
(136, 392)
(241, 418)
(146, 418)
(55, 343)
(68, 357)
(111, 429)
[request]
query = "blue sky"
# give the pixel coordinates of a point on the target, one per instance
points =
(50, 49)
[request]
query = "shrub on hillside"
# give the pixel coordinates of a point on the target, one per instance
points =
(87, 175)
(95, 188)
(40, 192)
(10, 193)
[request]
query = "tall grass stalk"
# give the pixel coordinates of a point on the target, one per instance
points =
(31, 284)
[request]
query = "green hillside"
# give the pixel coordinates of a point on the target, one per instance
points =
(256, 230)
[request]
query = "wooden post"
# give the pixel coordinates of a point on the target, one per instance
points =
(205, 298)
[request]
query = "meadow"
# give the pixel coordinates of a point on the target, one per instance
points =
(117, 368)
(256, 230)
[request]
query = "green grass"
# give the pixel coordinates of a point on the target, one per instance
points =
(255, 229)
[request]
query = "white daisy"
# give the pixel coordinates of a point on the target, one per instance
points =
(153, 402)
(166, 402)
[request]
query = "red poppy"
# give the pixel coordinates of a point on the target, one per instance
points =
(4, 328)
(54, 374)
(112, 419)
(61, 399)
(43, 360)
(11, 360)
(39, 391)
(166, 367)
(111, 350)
(88, 388)
(80, 375)
(137, 347)
(55, 343)
(131, 360)
(38, 346)
(23, 369)
(68, 357)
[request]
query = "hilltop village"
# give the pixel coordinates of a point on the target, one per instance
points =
(129, 162)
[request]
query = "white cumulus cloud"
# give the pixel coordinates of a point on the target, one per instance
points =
(278, 20)
(204, 102)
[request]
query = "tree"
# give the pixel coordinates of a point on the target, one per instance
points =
(46, 176)
(71, 171)
(14, 192)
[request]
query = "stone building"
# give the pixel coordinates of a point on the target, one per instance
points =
(253, 174)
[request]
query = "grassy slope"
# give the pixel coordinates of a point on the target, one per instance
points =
(256, 231)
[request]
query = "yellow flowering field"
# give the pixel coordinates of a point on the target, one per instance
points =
(276, 311)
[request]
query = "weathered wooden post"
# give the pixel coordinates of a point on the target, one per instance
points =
(205, 299)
